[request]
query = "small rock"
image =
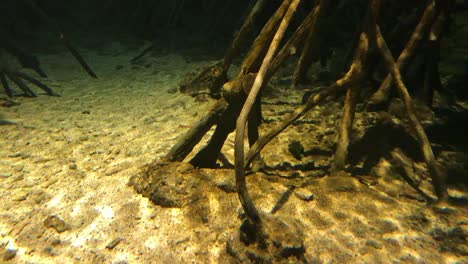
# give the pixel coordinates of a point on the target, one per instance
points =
(112, 170)
(50, 251)
(5, 175)
(86, 112)
(386, 226)
(83, 138)
(56, 223)
(113, 243)
(374, 244)
(182, 240)
(367, 180)
(18, 167)
(304, 194)
(443, 209)
(73, 166)
(39, 196)
(56, 242)
(20, 196)
(9, 254)
(296, 149)
(15, 155)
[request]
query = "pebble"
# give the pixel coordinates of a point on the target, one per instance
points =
(304, 195)
(114, 243)
(25, 155)
(5, 175)
(15, 155)
(50, 251)
(55, 222)
(374, 244)
(112, 170)
(9, 254)
(18, 168)
(20, 196)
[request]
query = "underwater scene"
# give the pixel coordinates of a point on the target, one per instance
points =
(235, 131)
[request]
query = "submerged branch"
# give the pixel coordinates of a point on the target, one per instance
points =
(244, 197)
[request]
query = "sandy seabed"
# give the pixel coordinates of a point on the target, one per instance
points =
(68, 159)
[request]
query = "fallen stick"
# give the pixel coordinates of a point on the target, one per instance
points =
(438, 180)
(381, 95)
